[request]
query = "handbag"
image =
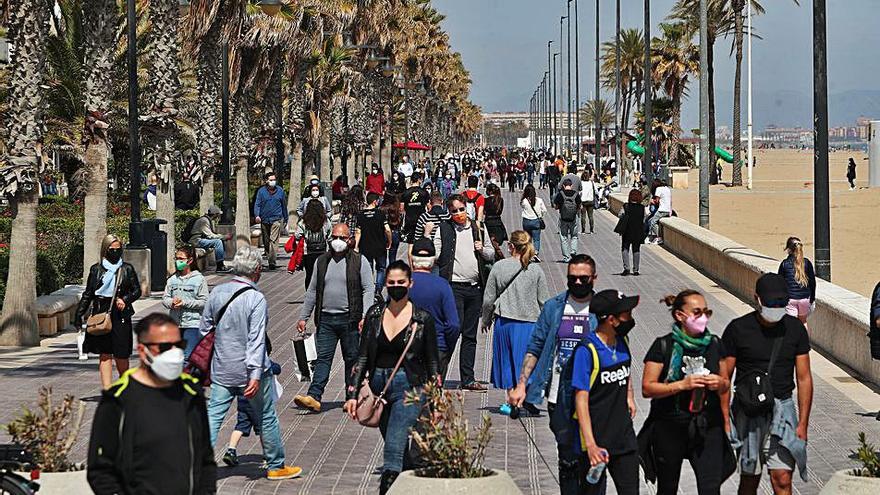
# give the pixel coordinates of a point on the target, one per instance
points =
(102, 323)
(753, 392)
(296, 259)
(620, 228)
(199, 362)
(369, 406)
(541, 224)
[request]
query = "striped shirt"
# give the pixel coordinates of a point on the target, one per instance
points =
(435, 215)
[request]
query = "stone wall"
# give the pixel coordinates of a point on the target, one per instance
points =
(838, 326)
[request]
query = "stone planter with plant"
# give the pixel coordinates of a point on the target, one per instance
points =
(452, 452)
(864, 480)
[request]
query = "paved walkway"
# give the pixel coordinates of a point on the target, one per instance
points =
(338, 456)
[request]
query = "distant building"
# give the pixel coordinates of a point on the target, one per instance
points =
(797, 135)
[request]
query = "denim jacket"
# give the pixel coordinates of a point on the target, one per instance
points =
(543, 345)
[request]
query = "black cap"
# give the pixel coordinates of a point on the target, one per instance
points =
(772, 290)
(612, 302)
(424, 247)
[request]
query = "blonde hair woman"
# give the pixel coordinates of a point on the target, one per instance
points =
(515, 293)
(112, 286)
(800, 278)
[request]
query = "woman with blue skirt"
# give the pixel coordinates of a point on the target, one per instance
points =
(515, 292)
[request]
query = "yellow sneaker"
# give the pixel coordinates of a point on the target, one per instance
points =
(284, 473)
(307, 402)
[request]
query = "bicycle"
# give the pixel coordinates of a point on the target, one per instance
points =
(14, 459)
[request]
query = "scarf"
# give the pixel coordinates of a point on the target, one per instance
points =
(108, 280)
(681, 341)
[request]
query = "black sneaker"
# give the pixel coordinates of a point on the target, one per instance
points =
(636, 273)
(273, 267)
(624, 273)
(531, 409)
(230, 458)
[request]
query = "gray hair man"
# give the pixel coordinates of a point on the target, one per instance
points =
(238, 315)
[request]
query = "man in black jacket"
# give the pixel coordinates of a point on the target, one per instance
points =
(150, 431)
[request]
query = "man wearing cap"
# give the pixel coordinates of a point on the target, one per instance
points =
(434, 294)
(202, 235)
(596, 389)
(769, 346)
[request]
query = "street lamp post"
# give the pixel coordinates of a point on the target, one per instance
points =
(648, 85)
(568, 64)
(704, 115)
(556, 122)
(226, 217)
(617, 137)
(821, 220)
(559, 127)
(549, 87)
(598, 117)
(577, 82)
(135, 228)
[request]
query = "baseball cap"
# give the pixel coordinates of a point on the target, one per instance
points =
(612, 302)
(772, 290)
(214, 210)
(424, 247)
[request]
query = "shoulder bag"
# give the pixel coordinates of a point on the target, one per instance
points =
(620, 228)
(199, 362)
(541, 224)
(102, 323)
(753, 392)
(369, 406)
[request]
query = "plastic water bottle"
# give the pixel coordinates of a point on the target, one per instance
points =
(505, 409)
(595, 473)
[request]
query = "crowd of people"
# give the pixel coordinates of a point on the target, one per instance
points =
(399, 272)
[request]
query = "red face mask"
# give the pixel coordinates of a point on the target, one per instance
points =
(460, 218)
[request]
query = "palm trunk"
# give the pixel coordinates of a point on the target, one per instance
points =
(242, 203)
(95, 203)
(713, 173)
(296, 185)
(326, 170)
(19, 323)
(207, 198)
(737, 94)
(676, 127)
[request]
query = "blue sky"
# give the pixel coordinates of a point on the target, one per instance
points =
(504, 45)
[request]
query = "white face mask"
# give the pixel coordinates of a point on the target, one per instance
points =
(315, 193)
(772, 315)
(167, 365)
(338, 245)
(272, 183)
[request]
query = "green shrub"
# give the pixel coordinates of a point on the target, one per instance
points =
(868, 456)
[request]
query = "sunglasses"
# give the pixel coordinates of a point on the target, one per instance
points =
(167, 346)
(698, 312)
(457, 210)
(340, 237)
(584, 279)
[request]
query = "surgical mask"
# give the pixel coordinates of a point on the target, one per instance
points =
(272, 183)
(581, 290)
(167, 365)
(315, 193)
(460, 217)
(772, 315)
(338, 245)
(696, 325)
(448, 176)
(114, 255)
(397, 292)
(624, 327)
(180, 265)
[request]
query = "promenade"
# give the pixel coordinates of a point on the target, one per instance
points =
(339, 456)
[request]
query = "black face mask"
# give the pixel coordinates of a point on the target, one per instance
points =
(114, 255)
(581, 290)
(397, 292)
(624, 327)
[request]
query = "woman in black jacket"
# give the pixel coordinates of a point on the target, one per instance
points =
(101, 295)
(388, 328)
(631, 228)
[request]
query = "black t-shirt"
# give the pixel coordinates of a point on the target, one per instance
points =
(751, 345)
(389, 351)
(161, 460)
(414, 201)
(372, 223)
(676, 407)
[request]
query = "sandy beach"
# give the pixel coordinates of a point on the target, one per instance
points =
(781, 204)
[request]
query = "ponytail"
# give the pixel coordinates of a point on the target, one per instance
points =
(795, 248)
(676, 302)
(523, 247)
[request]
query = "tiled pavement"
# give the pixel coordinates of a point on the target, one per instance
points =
(338, 456)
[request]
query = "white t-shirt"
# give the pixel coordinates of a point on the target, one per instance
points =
(588, 192)
(574, 327)
(535, 213)
(405, 168)
(665, 195)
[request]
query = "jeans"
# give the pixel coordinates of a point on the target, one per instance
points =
(271, 233)
(191, 336)
(333, 328)
(624, 250)
(655, 223)
(216, 245)
(568, 235)
(397, 416)
(468, 303)
(586, 214)
(533, 227)
(542, 181)
(378, 266)
(395, 243)
(262, 403)
(531, 177)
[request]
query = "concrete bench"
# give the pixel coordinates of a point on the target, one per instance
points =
(54, 312)
(205, 259)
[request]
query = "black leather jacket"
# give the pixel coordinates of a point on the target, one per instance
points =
(129, 290)
(422, 359)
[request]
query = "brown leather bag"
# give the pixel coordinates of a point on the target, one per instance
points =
(369, 407)
(102, 323)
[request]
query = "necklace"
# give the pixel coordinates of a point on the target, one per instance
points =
(612, 351)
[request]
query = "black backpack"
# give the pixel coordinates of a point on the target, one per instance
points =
(569, 209)
(753, 391)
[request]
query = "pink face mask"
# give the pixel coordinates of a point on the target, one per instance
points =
(696, 325)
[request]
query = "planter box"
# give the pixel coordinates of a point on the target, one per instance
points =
(69, 483)
(498, 483)
(844, 483)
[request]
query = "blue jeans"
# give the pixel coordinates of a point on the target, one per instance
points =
(378, 265)
(568, 235)
(262, 403)
(395, 243)
(533, 227)
(216, 245)
(191, 335)
(397, 416)
(334, 328)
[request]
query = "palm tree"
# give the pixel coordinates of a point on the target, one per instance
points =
(160, 127)
(28, 32)
(632, 48)
(594, 108)
(100, 25)
(675, 58)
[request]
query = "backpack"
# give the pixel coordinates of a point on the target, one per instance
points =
(316, 242)
(187, 230)
(569, 209)
(471, 205)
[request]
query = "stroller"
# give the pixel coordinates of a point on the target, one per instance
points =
(603, 191)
